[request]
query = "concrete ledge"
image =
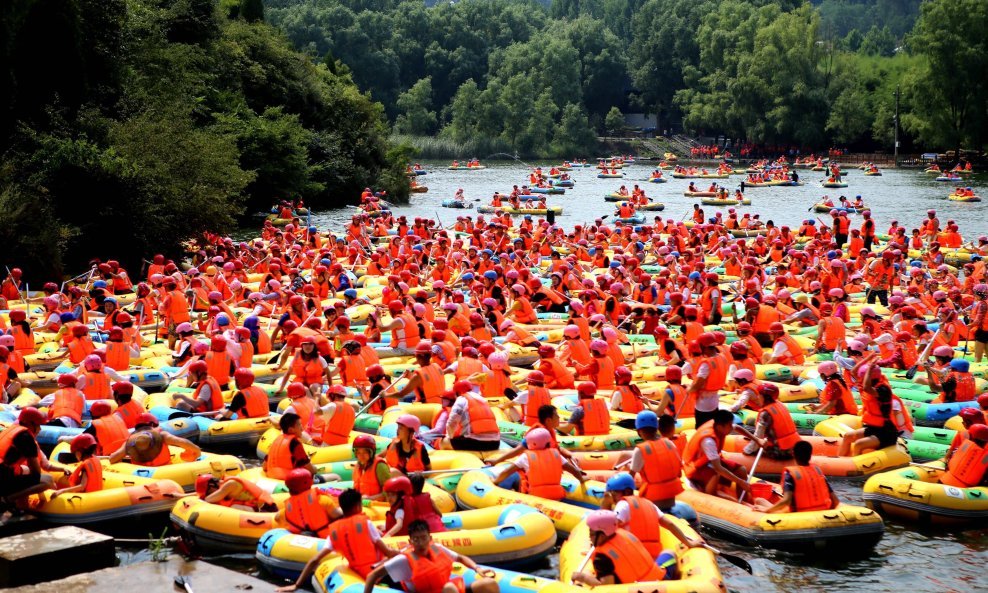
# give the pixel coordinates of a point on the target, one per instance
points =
(155, 577)
(52, 554)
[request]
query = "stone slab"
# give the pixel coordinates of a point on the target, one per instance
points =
(52, 554)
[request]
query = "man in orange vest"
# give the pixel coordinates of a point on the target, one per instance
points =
(592, 416)
(428, 567)
(22, 462)
(148, 446)
(804, 487)
(642, 518)
(471, 425)
(709, 378)
(249, 401)
(354, 537)
(542, 467)
(967, 466)
(427, 381)
(235, 492)
(338, 418)
(287, 452)
(702, 462)
(658, 461)
(775, 431)
(208, 395)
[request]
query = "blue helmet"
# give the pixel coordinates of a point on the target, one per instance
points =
(621, 481)
(960, 365)
(487, 252)
(468, 277)
(915, 264)
(694, 275)
(313, 229)
(66, 317)
(222, 319)
(350, 293)
(99, 284)
(812, 222)
(646, 419)
(325, 262)
(615, 264)
(490, 275)
(110, 300)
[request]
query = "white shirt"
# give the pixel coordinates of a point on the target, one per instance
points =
(706, 401)
(459, 416)
(623, 511)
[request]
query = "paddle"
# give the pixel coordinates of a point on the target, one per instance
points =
(380, 395)
(184, 583)
(928, 467)
(447, 471)
(735, 560)
(922, 357)
(586, 561)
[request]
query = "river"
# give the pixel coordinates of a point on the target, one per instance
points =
(907, 558)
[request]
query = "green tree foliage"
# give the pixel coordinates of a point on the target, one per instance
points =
(949, 93)
(131, 126)
(415, 104)
(573, 133)
(614, 122)
(878, 42)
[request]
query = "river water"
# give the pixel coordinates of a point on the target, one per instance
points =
(907, 558)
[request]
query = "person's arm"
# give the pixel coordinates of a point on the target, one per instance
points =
(414, 382)
(575, 471)
(515, 452)
(674, 528)
(504, 475)
(469, 563)
(227, 489)
(192, 451)
(783, 504)
(727, 474)
(374, 578)
(310, 567)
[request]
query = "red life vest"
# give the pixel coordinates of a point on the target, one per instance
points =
(218, 366)
(838, 392)
(7, 440)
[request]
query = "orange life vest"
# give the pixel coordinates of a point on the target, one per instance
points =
(693, 457)
(117, 355)
(406, 465)
(783, 428)
(93, 471)
(256, 402)
(431, 571)
(408, 335)
(794, 353)
(350, 537)
(279, 460)
(164, 456)
(69, 402)
(537, 397)
(718, 373)
(631, 403)
(545, 470)
(556, 375)
(218, 366)
(643, 523)
(215, 394)
(365, 481)
(307, 372)
(661, 468)
(129, 412)
(811, 491)
(97, 385)
(596, 418)
(632, 563)
(482, 419)
(337, 430)
(432, 385)
(838, 392)
(967, 466)
(111, 433)
(304, 513)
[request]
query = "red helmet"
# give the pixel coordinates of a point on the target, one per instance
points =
(622, 373)
(296, 390)
(739, 348)
(31, 417)
(777, 328)
(462, 386)
(423, 348)
(244, 377)
(770, 390)
(123, 387)
(706, 340)
(365, 441)
(199, 367)
(146, 419)
(536, 378)
(674, 373)
(67, 380)
(217, 344)
(100, 409)
(298, 480)
(82, 442)
(396, 306)
(375, 370)
(399, 484)
(903, 336)
(586, 389)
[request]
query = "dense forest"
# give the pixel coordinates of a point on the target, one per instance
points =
(542, 77)
(129, 126)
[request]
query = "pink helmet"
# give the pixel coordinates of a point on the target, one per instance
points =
(836, 293)
(598, 346)
(538, 439)
(943, 351)
(868, 312)
(571, 332)
(609, 334)
(183, 327)
(409, 421)
(827, 368)
(744, 375)
(93, 363)
(498, 361)
(601, 520)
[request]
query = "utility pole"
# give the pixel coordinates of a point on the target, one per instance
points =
(897, 126)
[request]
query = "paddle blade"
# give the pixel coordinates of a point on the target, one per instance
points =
(737, 561)
(911, 372)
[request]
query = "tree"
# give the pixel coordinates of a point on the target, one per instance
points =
(517, 105)
(415, 105)
(614, 122)
(464, 113)
(252, 11)
(573, 135)
(950, 97)
(878, 42)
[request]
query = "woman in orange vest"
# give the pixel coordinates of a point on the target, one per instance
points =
(406, 453)
(208, 395)
(108, 428)
(628, 558)
(308, 368)
(88, 475)
(118, 352)
(338, 418)
(878, 428)
(966, 468)
(804, 487)
(370, 472)
(641, 517)
(249, 400)
(407, 506)
(471, 424)
(235, 492)
(68, 403)
(626, 397)
(836, 396)
(556, 375)
(658, 461)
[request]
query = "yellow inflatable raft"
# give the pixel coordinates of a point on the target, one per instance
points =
(915, 494)
(123, 497)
